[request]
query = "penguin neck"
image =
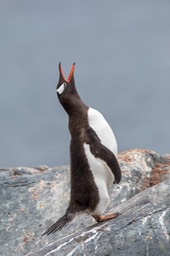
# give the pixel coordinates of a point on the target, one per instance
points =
(77, 112)
(74, 106)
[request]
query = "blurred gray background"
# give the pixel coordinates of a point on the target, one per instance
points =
(122, 55)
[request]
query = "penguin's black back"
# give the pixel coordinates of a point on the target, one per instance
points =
(84, 192)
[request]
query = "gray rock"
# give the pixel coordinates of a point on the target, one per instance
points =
(33, 198)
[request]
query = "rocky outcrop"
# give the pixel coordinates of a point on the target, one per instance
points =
(33, 198)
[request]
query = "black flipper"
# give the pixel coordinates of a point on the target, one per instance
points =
(61, 223)
(102, 152)
(107, 156)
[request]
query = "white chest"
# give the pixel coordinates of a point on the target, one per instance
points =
(103, 130)
(103, 178)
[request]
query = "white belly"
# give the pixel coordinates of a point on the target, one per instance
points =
(103, 178)
(103, 130)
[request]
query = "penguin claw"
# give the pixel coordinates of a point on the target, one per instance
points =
(109, 216)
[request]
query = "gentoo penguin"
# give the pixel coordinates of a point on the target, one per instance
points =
(94, 166)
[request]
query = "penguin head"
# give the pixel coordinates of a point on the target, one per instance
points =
(66, 87)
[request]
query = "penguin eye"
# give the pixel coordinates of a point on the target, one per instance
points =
(61, 89)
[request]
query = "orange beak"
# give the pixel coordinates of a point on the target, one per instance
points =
(70, 75)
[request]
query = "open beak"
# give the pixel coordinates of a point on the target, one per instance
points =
(70, 75)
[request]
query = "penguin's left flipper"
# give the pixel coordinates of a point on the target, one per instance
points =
(109, 158)
(102, 152)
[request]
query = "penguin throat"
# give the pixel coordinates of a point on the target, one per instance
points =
(74, 106)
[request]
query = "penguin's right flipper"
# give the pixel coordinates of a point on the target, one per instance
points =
(58, 225)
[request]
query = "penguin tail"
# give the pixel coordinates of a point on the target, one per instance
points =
(61, 223)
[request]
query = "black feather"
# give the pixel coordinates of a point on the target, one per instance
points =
(61, 223)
